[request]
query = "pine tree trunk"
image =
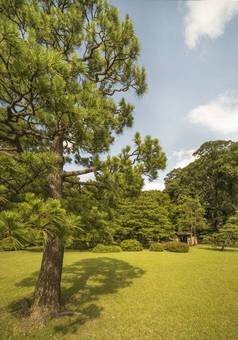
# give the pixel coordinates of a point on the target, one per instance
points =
(47, 292)
(46, 299)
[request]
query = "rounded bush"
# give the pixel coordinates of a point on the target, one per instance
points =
(131, 245)
(177, 247)
(103, 248)
(156, 247)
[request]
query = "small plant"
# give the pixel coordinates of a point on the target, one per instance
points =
(156, 247)
(177, 247)
(131, 245)
(102, 248)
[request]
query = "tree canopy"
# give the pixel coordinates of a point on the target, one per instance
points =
(212, 177)
(145, 218)
(188, 215)
(227, 235)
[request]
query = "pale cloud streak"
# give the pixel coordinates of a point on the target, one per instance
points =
(183, 157)
(207, 18)
(219, 115)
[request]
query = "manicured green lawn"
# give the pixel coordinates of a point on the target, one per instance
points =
(141, 295)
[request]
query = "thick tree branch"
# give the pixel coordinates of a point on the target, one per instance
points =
(75, 182)
(78, 172)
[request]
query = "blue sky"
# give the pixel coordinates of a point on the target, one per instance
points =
(190, 52)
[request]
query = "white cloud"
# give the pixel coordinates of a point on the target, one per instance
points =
(220, 115)
(183, 157)
(155, 185)
(207, 18)
(180, 159)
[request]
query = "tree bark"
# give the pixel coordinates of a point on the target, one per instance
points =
(47, 292)
(46, 299)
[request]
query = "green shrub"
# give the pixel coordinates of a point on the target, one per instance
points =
(102, 248)
(131, 245)
(177, 247)
(156, 247)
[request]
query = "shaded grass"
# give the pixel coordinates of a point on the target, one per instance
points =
(142, 295)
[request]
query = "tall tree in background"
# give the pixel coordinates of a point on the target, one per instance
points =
(61, 63)
(212, 177)
(227, 236)
(145, 218)
(189, 216)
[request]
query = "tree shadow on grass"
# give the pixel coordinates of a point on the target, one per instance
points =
(219, 249)
(34, 249)
(83, 283)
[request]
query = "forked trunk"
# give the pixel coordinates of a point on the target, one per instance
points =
(47, 291)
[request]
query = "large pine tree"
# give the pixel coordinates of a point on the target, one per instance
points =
(61, 63)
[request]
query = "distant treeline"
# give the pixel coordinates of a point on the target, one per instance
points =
(199, 198)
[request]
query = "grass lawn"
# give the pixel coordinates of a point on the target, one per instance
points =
(140, 295)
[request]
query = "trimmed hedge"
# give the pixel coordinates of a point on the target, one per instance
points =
(103, 248)
(156, 247)
(177, 247)
(131, 245)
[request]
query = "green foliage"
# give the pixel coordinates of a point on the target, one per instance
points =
(95, 214)
(189, 215)
(156, 247)
(61, 65)
(47, 216)
(131, 245)
(122, 175)
(19, 171)
(227, 236)
(28, 221)
(104, 248)
(212, 178)
(145, 218)
(13, 233)
(67, 62)
(177, 247)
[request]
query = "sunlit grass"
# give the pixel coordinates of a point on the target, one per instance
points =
(141, 295)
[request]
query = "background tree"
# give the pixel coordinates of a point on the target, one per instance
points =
(95, 210)
(189, 216)
(212, 177)
(227, 236)
(145, 218)
(61, 62)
